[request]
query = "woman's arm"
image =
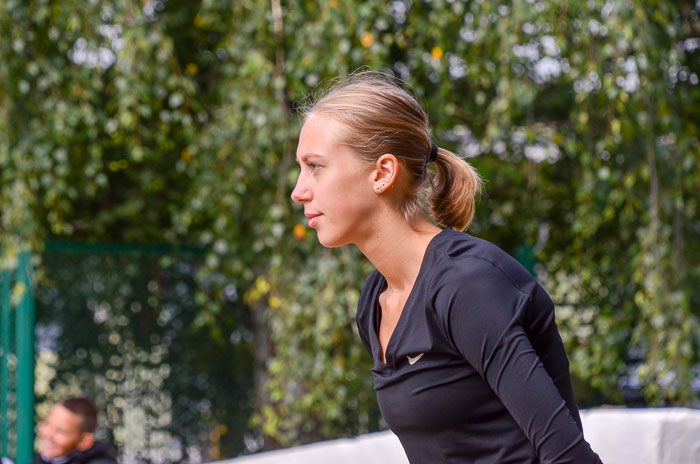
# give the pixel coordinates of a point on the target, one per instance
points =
(484, 317)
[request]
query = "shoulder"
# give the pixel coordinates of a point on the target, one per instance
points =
(469, 264)
(476, 288)
(98, 454)
(478, 293)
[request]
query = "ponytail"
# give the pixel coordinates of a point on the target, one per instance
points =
(453, 190)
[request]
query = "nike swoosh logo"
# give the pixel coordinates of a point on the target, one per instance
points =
(415, 359)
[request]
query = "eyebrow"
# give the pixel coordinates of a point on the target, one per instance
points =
(307, 156)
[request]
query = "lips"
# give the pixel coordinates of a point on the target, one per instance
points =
(313, 218)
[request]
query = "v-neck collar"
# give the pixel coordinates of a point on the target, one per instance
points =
(377, 310)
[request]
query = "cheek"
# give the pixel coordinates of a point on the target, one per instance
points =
(352, 208)
(353, 192)
(63, 440)
(349, 203)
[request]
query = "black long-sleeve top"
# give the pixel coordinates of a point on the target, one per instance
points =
(475, 369)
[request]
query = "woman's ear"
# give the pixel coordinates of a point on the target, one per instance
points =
(385, 172)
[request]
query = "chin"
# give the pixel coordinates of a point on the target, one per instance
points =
(331, 244)
(330, 241)
(48, 452)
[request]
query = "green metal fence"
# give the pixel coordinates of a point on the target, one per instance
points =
(17, 315)
(120, 324)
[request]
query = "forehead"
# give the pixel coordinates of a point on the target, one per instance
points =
(319, 135)
(63, 418)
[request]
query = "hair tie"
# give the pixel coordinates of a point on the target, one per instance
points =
(432, 156)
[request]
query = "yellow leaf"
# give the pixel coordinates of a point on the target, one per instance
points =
(615, 126)
(299, 232)
(262, 285)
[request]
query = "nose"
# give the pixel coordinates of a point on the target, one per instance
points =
(301, 193)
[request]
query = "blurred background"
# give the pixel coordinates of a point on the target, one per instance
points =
(151, 257)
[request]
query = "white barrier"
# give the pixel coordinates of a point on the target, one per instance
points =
(372, 448)
(619, 436)
(649, 435)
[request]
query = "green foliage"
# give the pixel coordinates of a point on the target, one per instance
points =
(318, 386)
(582, 116)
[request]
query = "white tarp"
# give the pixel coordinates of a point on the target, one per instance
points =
(619, 436)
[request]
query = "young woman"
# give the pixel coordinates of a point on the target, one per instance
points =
(468, 363)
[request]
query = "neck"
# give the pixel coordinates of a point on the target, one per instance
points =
(397, 248)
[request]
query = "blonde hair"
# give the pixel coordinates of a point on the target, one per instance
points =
(383, 118)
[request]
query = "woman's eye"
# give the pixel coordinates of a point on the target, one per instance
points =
(313, 166)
